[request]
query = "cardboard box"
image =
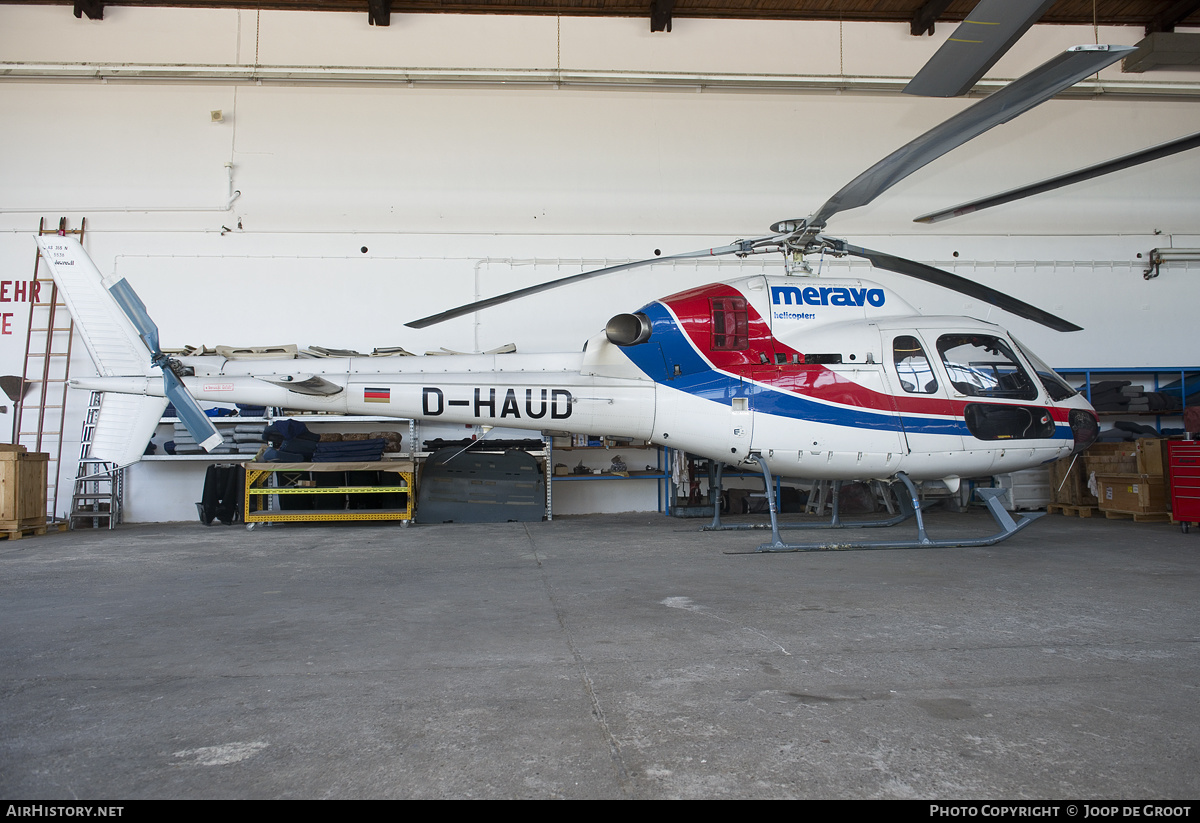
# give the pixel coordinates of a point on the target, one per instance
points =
(1151, 456)
(1132, 493)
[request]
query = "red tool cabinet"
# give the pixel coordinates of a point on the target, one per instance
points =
(1183, 467)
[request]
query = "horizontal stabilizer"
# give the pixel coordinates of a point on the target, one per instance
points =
(126, 424)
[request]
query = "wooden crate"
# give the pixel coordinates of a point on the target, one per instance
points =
(1111, 458)
(1143, 456)
(1068, 483)
(1151, 456)
(22, 488)
(1132, 493)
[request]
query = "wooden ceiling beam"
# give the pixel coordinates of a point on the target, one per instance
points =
(1172, 16)
(922, 15)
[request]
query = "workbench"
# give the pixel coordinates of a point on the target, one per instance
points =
(267, 481)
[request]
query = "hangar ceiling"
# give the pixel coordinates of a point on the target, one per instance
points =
(922, 15)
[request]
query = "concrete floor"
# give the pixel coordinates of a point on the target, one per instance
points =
(605, 656)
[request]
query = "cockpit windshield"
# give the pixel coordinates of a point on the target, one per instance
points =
(981, 365)
(1056, 387)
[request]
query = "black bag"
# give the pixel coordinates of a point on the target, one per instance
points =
(222, 496)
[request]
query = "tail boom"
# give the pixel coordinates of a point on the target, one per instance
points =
(555, 401)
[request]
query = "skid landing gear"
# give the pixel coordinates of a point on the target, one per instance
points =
(835, 522)
(911, 507)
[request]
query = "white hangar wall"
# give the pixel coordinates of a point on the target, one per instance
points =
(483, 174)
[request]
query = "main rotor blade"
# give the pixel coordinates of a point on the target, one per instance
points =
(970, 288)
(189, 411)
(1117, 164)
(979, 41)
(999, 107)
(487, 303)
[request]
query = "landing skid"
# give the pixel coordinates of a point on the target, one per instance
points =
(990, 497)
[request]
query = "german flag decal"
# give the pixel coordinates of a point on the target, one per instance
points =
(377, 395)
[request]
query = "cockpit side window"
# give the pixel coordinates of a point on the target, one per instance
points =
(982, 365)
(913, 367)
(730, 324)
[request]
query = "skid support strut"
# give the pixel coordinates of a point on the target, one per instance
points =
(835, 521)
(910, 503)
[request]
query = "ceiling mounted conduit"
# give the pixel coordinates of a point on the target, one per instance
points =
(368, 75)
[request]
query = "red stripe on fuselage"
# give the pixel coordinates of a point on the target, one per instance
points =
(693, 309)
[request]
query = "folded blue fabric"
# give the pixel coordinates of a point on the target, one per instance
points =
(277, 456)
(350, 451)
(299, 446)
(289, 430)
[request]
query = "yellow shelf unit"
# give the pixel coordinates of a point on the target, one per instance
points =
(257, 491)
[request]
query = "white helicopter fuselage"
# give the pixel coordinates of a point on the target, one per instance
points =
(822, 379)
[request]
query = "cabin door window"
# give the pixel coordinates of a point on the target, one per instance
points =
(730, 324)
(913, 366)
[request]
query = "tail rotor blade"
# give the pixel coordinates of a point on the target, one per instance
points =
(186, 407)
(970, 288)
(135, 310)
(189, 411)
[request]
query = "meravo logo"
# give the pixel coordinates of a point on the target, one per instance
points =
(826, 296)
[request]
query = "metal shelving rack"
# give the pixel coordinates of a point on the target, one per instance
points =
(660, 475)
(1158, 373)
(259, 477)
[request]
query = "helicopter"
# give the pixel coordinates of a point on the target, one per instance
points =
(798, 376)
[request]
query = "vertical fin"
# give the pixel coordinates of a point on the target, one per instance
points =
(111, 340)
